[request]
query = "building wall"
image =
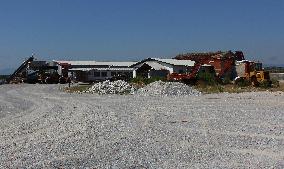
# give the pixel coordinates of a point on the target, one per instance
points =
(169, 67)
(94, 75)
(174, 68)
(80, 76)
(158, 73)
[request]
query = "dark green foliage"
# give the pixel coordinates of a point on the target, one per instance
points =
(208, 78)
(226, 80)
(265, 84)
(242, 82)
(275, 83)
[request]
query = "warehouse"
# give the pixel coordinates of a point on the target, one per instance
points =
(89, 71)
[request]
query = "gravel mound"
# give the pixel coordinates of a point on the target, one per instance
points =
(160, 88)
(108, 87)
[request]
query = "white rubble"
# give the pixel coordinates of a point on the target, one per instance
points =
(115, 87)
(160, 88)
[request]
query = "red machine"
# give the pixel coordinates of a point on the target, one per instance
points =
(186, 76)
(222, 62)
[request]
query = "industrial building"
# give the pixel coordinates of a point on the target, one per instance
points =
(90, 71)
(224, 65)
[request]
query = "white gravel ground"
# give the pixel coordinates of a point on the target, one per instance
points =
(161, 89)
(42, 127)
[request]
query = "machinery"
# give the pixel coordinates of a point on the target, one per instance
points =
(19, 74)
(44, 72)
(186, 77)
(226, 65)
(251, 71)
(31, 71)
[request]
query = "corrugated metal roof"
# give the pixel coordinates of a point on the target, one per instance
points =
(106, 69)
(80, 69)
(155, 65)
(115, 69)
(94, 63)
(176, 62)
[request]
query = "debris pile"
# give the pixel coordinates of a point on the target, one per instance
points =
(115, 87)
(157, 88)
(160, 88)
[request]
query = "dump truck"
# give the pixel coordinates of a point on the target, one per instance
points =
(251, 71)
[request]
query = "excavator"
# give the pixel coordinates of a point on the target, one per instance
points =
(191, 76)
(185, 77)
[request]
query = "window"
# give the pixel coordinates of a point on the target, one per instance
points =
(113, 74)
(180, 71)
(104, 74)
(97, 74)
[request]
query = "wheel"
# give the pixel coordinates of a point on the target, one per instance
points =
(47, 80)
(254, 81)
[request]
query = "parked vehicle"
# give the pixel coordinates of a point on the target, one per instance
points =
(251, 71)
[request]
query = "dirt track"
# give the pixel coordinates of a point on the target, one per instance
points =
(42, 127)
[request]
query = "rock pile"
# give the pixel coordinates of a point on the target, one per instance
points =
(160, 88)
(108, 87)
(157, 88)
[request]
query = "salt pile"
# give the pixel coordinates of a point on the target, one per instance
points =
(108, 87)
(160, 88)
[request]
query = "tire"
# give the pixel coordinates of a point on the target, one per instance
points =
(254, 81)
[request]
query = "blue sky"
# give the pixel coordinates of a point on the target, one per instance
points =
(136, 29)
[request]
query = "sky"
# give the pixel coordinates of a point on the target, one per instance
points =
(117, 30)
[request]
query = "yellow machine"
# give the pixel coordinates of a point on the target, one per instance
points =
(253, 72)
